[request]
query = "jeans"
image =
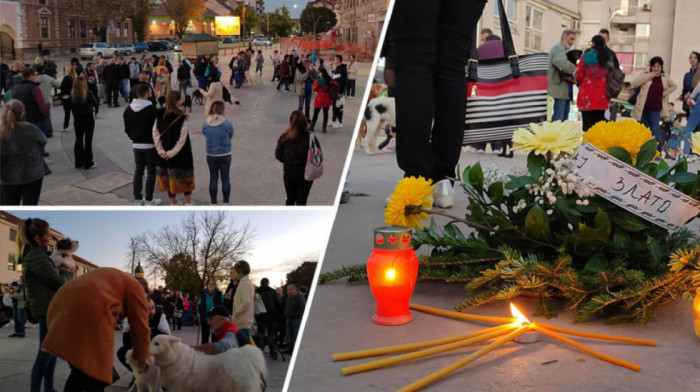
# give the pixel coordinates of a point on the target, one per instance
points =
(276, 73)
(284, 80)
(239, 78)
(651, 118)
(43, 126)
(690, 128)
(292, 331)
(305, 103)
(431, 49)
(201, 82)
(219, 166)
(124, 88)
(560, 110)
(24, 194)
(18, 316)
(296, 187)
(84, 129)
(145, 160)
(44, 365)
(183, 85)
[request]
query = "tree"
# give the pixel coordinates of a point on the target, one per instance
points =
(181, 274)
(139, 19)
(303, 275)
(251, 20)
(317, 19)
(211, 240)
(182, 11)
(100, 14)
(280, 22)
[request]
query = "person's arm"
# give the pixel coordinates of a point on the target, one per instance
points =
(39, 98)
(279, 150)
(156, 139)
(40, 137)
(563, 64)
(127, 124)
(136, 310)
(55, 83)
(180, 141)
(47, 273)
(695, 92)
(672, 86)
(641, 79)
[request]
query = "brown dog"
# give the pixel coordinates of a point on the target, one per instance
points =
(375, 91)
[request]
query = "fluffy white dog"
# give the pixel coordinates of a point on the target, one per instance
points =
(185, 370)
(379, 114)
(151, 379)
(253, 78)
(63, 254)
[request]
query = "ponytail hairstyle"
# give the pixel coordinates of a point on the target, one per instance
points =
(603, 54)
(79, 92)
(26, 231)
(12, 117)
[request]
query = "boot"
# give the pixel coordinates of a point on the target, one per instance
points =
(311, 126)
(323, 129)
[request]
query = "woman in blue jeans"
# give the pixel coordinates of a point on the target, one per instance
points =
(41, 280)
(218, 131)
(654, 89)
(431, 44)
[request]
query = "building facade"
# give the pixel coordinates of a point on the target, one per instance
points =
(11, 271)
(59, 29)
(361, 22)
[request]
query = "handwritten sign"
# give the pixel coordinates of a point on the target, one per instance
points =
(633, 190)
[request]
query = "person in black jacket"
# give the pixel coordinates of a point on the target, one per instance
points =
(144, 79)
(66, 87)
(82, 105)
(139, 118)
(36, 110)
(266, 321)
(292, 149)
(231, 290)
(113, 75)
(124, 73)
(199, 71)
(341, 71)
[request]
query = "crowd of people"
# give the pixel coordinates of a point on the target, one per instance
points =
(233, 318)
(155, 119)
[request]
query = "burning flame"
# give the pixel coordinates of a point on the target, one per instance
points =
(519, 316)
(390, 274)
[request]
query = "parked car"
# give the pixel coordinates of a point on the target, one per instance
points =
(166, 43)
(140, 47)
(228, 40)
(124, 49)
(261, 41)
(156, 46)
(95, 49)
(177, 46)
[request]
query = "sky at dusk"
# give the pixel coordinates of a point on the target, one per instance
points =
(283, 240)
(272, 5)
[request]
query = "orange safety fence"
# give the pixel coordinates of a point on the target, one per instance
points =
(289, 44)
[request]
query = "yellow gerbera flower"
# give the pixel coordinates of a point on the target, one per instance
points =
(413, 192)
(550, 137)
(695, 142)
(627, 134)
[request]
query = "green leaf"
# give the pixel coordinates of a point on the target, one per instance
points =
(628, 221)
(519, 182)
(596, 263)
(476, 177)
(496, 192)
(535, 164)
(646, 153)
(537, 224)
(683, 178)
(569, 213)
(621, 239)
(434, 230)
(663, 171)
(602, 222)
(621, 154)
(654, 249)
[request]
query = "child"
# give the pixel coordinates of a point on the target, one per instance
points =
(218, 131)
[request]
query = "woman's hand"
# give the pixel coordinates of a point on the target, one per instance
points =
(164, 156)
(144, 365)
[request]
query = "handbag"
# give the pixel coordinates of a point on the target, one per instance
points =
(259, 305)
(178, 313)
(27, 312)
(506, 93)
(314, 160)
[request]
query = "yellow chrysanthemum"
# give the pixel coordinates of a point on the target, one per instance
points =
(627, 134)
(410, 191)
(555, 138)
(695, 142)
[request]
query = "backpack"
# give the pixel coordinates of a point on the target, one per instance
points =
(615, 81)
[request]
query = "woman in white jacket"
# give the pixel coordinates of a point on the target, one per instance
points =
(244, 300)
(352, 76)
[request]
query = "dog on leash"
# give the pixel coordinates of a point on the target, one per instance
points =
(374, 92)
(187, 103)
(185, 370)
(150, 380)
(197, 97)
(379, 114)
(63, 254)
(253, 78)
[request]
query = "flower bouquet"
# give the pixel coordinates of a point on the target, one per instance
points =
(544, 231)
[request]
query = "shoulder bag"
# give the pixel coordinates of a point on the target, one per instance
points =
(259, 305)
(506, 93)
(314, 160)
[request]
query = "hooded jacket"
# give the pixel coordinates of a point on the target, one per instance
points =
(134, 70)
(41, 278)
(139, 118)
(218, 131)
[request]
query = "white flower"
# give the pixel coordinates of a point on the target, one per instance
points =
(585, 202)
(579, 202)
(549, 212)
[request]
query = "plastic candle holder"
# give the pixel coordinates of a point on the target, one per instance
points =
(392, 270)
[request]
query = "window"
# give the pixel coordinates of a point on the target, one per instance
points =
(11, 262)
(126, 30)
(117, 31)
(644, 4)
(510, 9)
(71, 28)
(13, 234)
(44, 27)
(642, 30)
(533, 29)
(83, 29)
(640, 60)
(42, 1)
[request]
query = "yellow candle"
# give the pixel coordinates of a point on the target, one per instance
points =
(413, 346)
(604, 357)
(591, 335)
(463, 316)
(696, 312)
(449, 369)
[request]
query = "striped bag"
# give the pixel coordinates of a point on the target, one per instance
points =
(504, 94)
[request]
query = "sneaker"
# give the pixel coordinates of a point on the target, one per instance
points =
(64, 130)
(480, 151)
(391, 146)
(154, 202)
(139, 202)
(338, 125)
(445, 195)
(94, 165)
(497, 151)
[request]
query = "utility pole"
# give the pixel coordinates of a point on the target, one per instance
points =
(243, 22)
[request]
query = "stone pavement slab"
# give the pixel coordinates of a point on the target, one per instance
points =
(107, 182)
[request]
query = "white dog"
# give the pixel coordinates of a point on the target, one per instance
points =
(253, 78)
(185, 370)
(379, 114)
(63, 254)
(151, 379)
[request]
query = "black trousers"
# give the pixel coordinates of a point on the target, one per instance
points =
(84, 129)
(591, 118)
(337, 111)
(113, 94)
(267, 331)
(431, 48)
(66, 112)
(81, 382)
(296, 187)
(325, 115)
(24, 194)
(350, 89)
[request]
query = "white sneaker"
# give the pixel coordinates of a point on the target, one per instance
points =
(338, 125)
(445, 195)
(139, 202)
(154, 202)
(391, 146)
(64, 130)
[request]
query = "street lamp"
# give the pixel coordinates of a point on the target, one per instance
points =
(614, 14)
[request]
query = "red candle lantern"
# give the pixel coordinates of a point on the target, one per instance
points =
(392, 270)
